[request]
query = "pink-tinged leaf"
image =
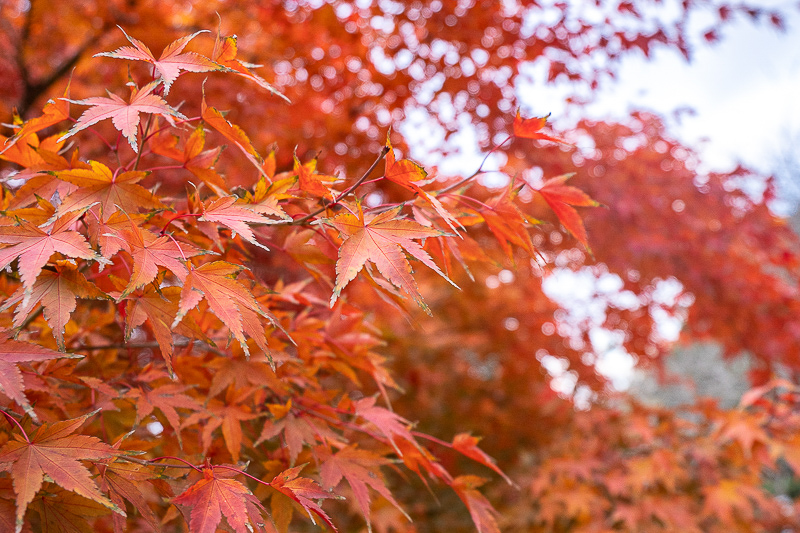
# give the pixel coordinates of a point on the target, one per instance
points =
(124, 115)
(13, 352)
(361, 469)
(171, 62)
(55, 452)
(484, 516)
(215, 496)
(304, 491)
(149, 251)
(389, 424)
(468, 445)
(381, 239)
(529, 128)
(34, 246)
(235, 216)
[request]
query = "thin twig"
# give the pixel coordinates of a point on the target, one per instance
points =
(350, 189)
(480, 169)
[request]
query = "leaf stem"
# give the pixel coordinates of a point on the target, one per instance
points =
(241, 472)
(144, 139)
(458, 184)
(14, 420)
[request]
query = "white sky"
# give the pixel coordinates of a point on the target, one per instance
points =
(745, 91)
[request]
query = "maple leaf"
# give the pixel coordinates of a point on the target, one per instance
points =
(529, 128)
(230, 301)
(361, 469)
(13, 352)
(232, 132)
(483, 514)
(381, 239)
(159, 307)
(468, 445)
(194, 158)
(507, 223)
(215, 496)
(34, 246)
(111, 191)
(124, 115)
(235, 216)
(121, 480)
(57, 291)
(407, 174)
(304, 491)
(560, 198)
(149, 251)
(66, 512)
(41, 180)
(171, 62)
(297, 431)
(167, 398)
(309, 181)
(54, 451)
(389, 424)
(55, 111)
(225, 51)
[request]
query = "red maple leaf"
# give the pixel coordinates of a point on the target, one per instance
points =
(124, 115)
(216, 495)
(560, 198)
(171, 62)
(483, 514)
(528, 128)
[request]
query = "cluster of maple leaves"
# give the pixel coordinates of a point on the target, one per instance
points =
(246, 400)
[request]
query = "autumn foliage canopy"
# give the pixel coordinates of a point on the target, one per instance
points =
(231, 299)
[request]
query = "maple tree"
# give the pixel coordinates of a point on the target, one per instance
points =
(231, 300)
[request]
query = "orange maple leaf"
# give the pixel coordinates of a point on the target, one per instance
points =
(53, 451)
(381, 239)
(57, 290)
(409, 174)
(225, 52)
(55, 111)
(112, 191)
(171, 62)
